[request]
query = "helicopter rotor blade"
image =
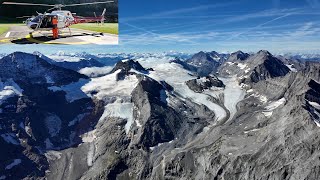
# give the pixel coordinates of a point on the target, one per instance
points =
(27, 4)
(22, 17)
(82, 4)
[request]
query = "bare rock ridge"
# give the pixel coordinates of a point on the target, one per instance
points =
(200, 84)
(160, 123)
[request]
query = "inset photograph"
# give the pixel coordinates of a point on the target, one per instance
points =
(74, 22)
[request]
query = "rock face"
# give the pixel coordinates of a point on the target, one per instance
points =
(205, 63)
(184, 64)
(127, 67)
(160, 122)
(267, 66)
(252, 69)
(35, 118)
(259, 121)
(201, 84)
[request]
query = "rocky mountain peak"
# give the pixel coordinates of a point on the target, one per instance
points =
(33, 69)
(206, 63)
(239, 55)
(264, 65)
(127, 65)
(264, 53)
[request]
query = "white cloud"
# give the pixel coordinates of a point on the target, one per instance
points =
(95, 71)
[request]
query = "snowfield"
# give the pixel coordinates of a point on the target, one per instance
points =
(176, 76)
(9, 89)
(107, 86)
(117, 95)
(272, 106)
(122, 110)
(73, 91)
(233, 93)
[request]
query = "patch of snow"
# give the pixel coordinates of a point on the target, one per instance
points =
(10, 138)
(272, 106)
(137, 121)
(247, 70)
(53, 124)
(230, 63)
(3, 177)
(53, 155)
(95, 71)
(253, 130)
(314, 104)
(241, 65)
(28, 130)
(14, 163)
(1, 111)
(267, 113)
(121, 110)
(261, 98)
(317, 120)
(77, 119)
(153, 147)
(89, 136)
(291, 67)
(250, 90)
(9, 89)
(73, 90)
(317, 123)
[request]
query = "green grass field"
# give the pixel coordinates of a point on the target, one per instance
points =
(5, 27)
(111, 28)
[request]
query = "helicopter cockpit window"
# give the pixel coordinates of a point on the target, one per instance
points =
(37, 19)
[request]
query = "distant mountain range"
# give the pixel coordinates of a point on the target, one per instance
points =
(159, 116)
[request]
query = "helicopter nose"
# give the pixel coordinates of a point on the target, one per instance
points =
(33, 26)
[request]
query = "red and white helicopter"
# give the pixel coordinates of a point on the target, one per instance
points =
(43, 22)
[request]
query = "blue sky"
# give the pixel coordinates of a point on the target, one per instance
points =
(193, 25)
(225, 26)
